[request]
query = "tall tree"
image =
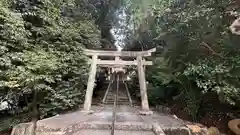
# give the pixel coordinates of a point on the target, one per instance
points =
(201, 51)
(42, 65)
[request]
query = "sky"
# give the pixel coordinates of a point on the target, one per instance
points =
(118, 31)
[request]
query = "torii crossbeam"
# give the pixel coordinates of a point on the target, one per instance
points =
(117, 62)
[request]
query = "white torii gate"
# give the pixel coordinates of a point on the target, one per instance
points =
(140, 62)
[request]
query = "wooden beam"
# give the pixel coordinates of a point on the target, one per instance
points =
(119, 53)
(121, 62)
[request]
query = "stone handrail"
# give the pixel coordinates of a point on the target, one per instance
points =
(106, 93)
(128, 94)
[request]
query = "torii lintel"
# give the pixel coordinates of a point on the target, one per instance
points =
(119, 53)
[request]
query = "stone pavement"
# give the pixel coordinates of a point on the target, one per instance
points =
(128, 121)
(117, 132)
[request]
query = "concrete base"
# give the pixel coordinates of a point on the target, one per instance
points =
(146, 113)
(87, 112)
(127, 119)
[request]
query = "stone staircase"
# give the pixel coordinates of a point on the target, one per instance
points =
(123, 100)
(122, 97)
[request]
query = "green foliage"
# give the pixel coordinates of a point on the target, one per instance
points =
(161, 73)
(217, 77)
(192, 98)
(200, 55)
(156, 94)
(41, 50)
(141, 14)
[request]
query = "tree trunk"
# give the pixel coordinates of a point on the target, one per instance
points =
(35, 113)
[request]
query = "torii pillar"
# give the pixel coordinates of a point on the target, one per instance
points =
(90, 86)
(143, 87)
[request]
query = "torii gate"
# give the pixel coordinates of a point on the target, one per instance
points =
(140, 62)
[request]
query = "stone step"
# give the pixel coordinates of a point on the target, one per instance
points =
(117, 99)
(123, 99)
(117, 102)
(111, 101)
(126, 103)
(134, 103)
(118, 125)
(112, 94)
(122, 103)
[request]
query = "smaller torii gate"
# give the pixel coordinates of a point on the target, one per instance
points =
(139, 62)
